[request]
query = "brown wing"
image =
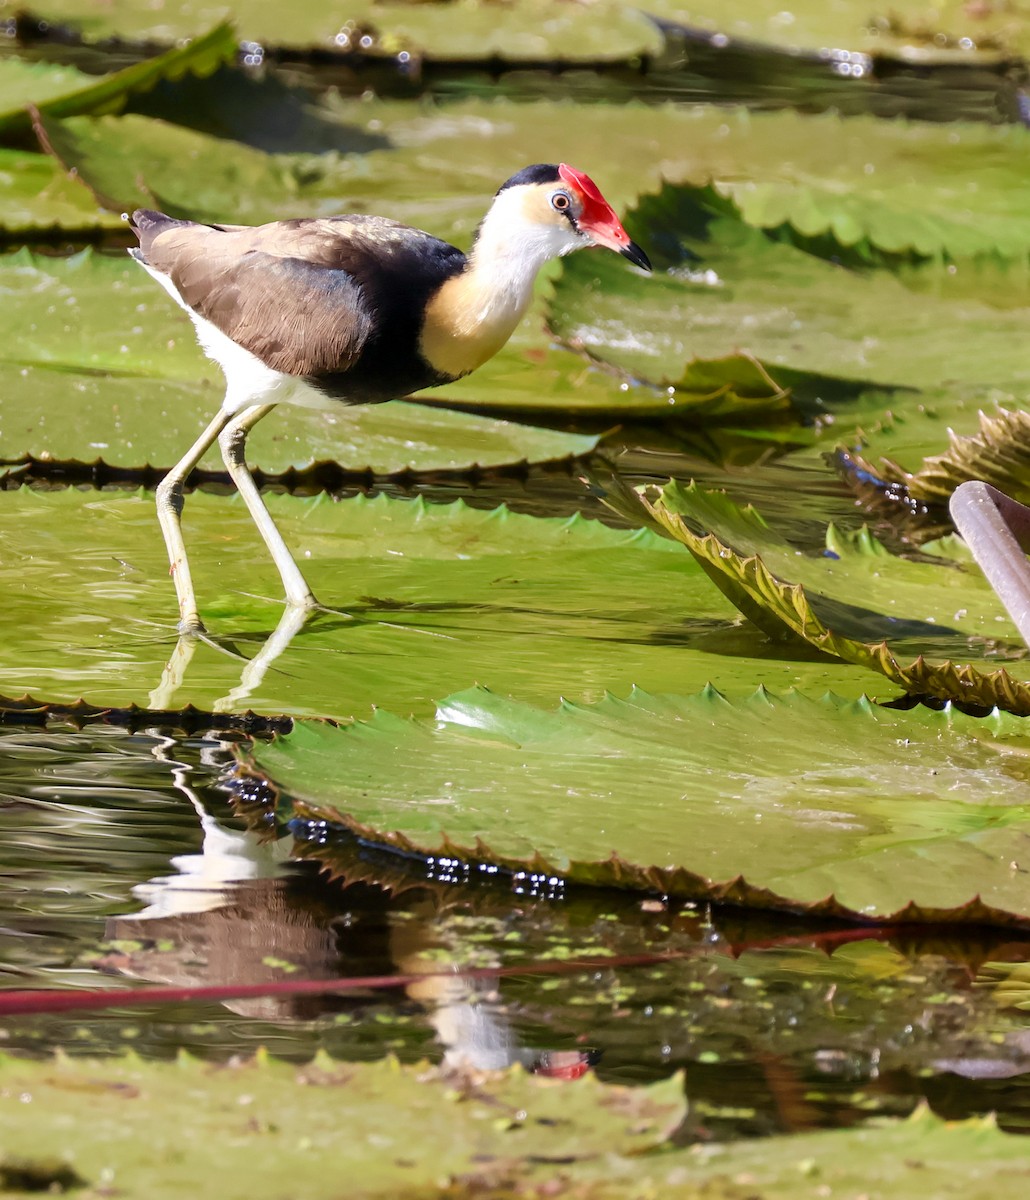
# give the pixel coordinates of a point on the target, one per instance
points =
(294, 293)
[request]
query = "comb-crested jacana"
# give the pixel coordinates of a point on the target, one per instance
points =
(356, 309)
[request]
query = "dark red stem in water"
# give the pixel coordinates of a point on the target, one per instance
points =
(22, 1002)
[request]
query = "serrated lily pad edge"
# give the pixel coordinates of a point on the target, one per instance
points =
(782, 611)
(331, 837)
(315, 829)
(33, 712)
(640, 1123)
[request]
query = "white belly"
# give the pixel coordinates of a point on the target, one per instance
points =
(248, 381)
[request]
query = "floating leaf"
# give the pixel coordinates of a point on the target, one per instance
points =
(132, 423)
(266, 1127)
(881, 189)
(134, 161)
(833, 618)
(439, 596)
(892, 188)
(948, 32)
(409, 1130)
(728, 288)
(96, 333)
(854, 582)
(999, 453)
(531, 29)
(901, 815)
(870, 459)
(66, 92)
(37, 199)
(99, 317)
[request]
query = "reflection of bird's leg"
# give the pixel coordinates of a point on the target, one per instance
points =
(254, 672)
(997, 530)
(232, 440)
(227, 856)
(169, 511)
(174, 673)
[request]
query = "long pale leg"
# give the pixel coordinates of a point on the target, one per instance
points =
(997, 531)
(169, 512)
(233, 440)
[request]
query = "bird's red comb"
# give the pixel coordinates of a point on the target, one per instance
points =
(597, 217)
(594, 204)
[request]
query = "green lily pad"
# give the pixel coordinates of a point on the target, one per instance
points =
(938, 602)
(65, 91)
(131, 423)
(94, 330)
(265, 1128)
(532, 377)
(261, 1127)
(95, 314)
(480, 144)
(542, 29)
(728, 288)
(38, 198)
(901, 814)
(908, 428)
(901, 188)
(98, 316)
(440, 597)
(531, 29)
(960, 433)
(879, 189)
(997, 453)
(919, 32)
(135, 161)
(835, 623)
(24, 83)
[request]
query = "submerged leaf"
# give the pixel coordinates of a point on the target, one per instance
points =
(913, 814)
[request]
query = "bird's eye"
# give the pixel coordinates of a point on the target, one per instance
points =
(560, 201)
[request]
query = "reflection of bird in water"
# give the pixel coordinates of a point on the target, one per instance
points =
(353, 309)
(467, 1013)
(232, 913)
(228, 857)
(242, 912)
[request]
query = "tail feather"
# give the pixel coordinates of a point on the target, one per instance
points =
(146, 224)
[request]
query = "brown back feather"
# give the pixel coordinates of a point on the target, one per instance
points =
(291, 293)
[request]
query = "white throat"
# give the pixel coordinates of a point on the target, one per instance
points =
(510, 249)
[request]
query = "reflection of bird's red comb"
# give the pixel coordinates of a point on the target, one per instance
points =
(594, 204)
(565, 1064)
